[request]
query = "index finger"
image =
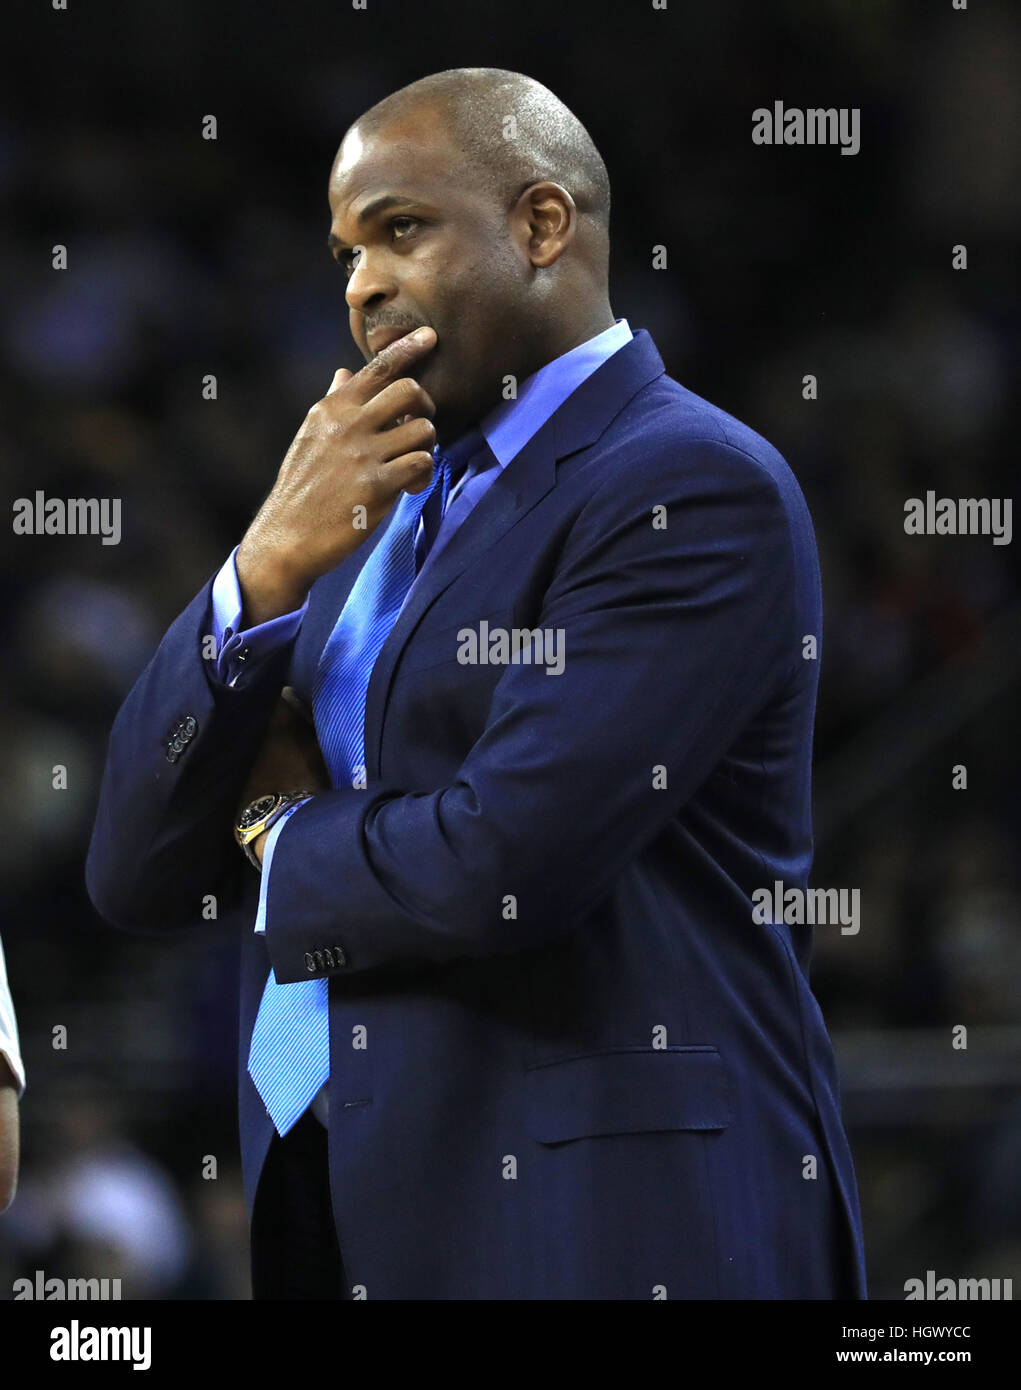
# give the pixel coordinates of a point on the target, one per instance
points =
(340, 378)
(390, 364)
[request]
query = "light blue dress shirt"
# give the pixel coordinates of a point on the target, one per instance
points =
(507, 429)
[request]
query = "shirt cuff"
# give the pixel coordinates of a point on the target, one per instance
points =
(238, 652)
(267, 857)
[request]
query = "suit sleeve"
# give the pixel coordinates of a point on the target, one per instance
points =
(673, 636)
(241, 651)
(178, 755)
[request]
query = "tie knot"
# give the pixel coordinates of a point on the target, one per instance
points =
(456, 457)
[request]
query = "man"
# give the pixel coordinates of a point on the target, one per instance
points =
(12, 1088)
(505, 990)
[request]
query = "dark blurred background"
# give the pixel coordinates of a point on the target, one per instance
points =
(189, 257)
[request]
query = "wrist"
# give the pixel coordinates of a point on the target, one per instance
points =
(271, 585)
(259, 817)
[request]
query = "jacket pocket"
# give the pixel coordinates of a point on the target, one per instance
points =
(627, 1091)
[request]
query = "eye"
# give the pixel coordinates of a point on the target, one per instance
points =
(410, 221)
(401, 226)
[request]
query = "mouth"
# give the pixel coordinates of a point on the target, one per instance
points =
(380, 338)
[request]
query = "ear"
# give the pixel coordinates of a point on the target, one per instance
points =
(548, 218)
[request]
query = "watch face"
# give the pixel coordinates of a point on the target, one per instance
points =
(255, 811)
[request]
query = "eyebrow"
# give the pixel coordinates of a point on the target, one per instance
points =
(370, 210)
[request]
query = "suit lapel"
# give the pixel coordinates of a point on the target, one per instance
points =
(528, 477)
(518, 488)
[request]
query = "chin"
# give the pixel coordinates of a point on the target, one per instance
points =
(446, 409)
(423, 373)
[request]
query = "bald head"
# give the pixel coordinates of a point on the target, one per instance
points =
(475, 202)
(511, 132)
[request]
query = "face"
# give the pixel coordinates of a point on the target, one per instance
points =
(431, 249)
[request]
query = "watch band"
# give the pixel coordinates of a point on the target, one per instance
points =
(261, 815)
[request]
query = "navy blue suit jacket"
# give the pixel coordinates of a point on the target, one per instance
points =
(565, 1060)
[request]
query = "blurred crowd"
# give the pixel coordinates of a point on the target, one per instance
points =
(189, 257)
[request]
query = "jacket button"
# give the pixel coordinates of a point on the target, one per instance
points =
(189, 726)
(172, 755)
(339, 956)
(309, 961)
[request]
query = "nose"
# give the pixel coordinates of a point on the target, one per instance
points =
(369, 286)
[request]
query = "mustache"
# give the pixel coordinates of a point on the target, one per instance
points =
(405, 325)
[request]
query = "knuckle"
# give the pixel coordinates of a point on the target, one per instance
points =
(324, 414)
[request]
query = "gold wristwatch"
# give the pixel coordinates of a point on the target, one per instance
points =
(259, 815)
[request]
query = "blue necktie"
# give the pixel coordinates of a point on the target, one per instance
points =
(289, 1057)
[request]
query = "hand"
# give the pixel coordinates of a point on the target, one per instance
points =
(368, 438)
(289, 758)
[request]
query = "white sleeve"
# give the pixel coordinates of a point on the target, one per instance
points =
(9, 1045)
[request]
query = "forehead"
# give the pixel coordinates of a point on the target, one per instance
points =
(411, 156)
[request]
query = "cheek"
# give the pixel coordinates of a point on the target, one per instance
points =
(466, 300)
(468, 288)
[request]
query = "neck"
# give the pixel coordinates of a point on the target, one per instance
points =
(597, 320)
(570, 335)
